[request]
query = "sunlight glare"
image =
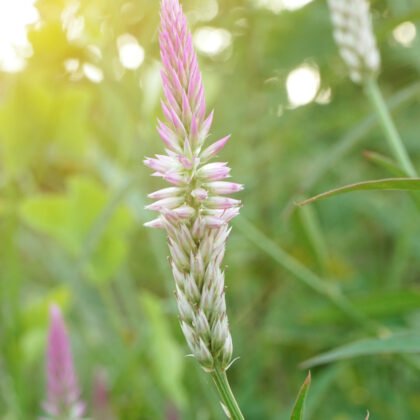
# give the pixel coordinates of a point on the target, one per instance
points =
(324, 96)
(212, 41)
(405, 33)
(131, 53)
(206, 11)
(93, 73)
(277, 6)
(72, 65)
(15, 16)
(72, 23)
(302, 85)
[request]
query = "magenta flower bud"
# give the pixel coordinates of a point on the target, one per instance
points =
(162, 164)
(200, 194)
(213, 222)
(183, 212)
(166, 193)
(214, 149)
(222, 202)
(169, 137)
(63, 393)
(173, 118)
(225, 214)
(155, 223)
(165, 203)
(230, 214)
(185, 162)
(175, 179)
(220, 187)
(214, 171)
(205, 128)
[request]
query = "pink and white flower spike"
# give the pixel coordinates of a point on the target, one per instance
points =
(63, 392)
(194, 210)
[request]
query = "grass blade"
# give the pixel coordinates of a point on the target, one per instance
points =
(384, 162)
(389, 184)
(299, 407)
(407, 342)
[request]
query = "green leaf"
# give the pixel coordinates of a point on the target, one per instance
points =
(299, 407)
(384, 162)
(55, 130)
(408, 342)
(70, 218)
(36, 311)
(166, 357)
(381, 304)
(390, 184)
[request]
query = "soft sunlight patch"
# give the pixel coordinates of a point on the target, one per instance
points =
(302, 85)
(295, 4)
(15, 16)
(324, 96)
(206, 11)
(72, 65)
(72, 23)
(405, 33)
(277, 6)
(130, 51)
(212, 41)
(93, 73)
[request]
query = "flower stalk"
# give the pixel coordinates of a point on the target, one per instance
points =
(195, 210)
(229, 402)
(395, 142)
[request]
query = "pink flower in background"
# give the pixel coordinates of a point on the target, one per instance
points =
(101, 406)
(63, 393)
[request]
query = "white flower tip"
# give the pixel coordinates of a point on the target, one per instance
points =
(155, 224)
(55, 311)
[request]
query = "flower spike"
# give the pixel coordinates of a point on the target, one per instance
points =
(194, 211)
(63, 393)
(354, 36)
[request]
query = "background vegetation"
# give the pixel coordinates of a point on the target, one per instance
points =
(76, 121)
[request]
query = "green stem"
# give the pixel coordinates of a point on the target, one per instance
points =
(394, 139)
(228, 399)
(304, 274)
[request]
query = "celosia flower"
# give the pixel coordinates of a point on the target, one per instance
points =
(195, 210)
(101, 407)
(63, 393)
(354, 36)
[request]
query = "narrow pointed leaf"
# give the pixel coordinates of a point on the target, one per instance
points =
(407, 342)
(299, 407)
(384, 162)
(390, 184)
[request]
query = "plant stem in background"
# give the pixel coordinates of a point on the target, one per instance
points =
(305, 275)
(394, 139)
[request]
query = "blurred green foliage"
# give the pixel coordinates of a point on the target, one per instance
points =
(72, 191)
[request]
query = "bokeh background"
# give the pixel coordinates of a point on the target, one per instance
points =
(79, 99)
